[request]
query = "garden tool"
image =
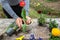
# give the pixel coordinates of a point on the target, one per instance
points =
(20, 38)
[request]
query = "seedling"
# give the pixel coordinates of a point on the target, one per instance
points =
(11, 29)
(10, 26)
(41, 20)
(24, 20)
(52, 24)
(53, 37)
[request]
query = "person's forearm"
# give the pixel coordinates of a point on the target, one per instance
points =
(27, 7)
(7, 7)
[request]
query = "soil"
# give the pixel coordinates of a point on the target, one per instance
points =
(53, 5)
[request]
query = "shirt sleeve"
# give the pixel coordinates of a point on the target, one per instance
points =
(27, 7)
(7, 7)
(0, 1)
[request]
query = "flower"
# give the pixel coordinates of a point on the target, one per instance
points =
(55, 32)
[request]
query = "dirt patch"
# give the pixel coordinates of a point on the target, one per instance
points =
(53, 5)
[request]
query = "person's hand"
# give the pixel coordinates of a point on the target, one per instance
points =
(28, 21)
(19, 22)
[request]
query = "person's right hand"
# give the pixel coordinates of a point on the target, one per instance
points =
(19, 22)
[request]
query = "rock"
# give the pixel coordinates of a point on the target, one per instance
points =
(38, 31)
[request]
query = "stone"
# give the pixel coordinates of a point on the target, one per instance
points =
(38, 31)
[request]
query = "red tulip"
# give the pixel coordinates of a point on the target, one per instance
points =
(22, 4)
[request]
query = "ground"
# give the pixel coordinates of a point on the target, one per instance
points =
(38, 31)
(33, 14)
(54, 5)
(44, 4)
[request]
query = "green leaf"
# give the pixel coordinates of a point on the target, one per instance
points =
(24, 27)
(23, 14)
(41, 19)
(10, 26)
(53, 24)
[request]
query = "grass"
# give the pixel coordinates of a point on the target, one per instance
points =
(32, 13)
(51, 0)
(2, 15)
(0, 8)
(45, 10)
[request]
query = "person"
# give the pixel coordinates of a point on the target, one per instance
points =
(12, 9)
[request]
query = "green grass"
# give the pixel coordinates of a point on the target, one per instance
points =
(0, 8)
(2, 15)
(32, 13)
(51, 0)
(43, 8)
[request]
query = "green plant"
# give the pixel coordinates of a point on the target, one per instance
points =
(52, 24)
(45, 11)
(23, 14)
(52, 0)
(10, 26)
(53, 37)
(41, 19)
(33, 13)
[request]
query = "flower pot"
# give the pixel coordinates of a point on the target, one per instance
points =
(27, 28)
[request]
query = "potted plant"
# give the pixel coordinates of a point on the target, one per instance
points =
(25, 27)
(52, 24)
(41, 20)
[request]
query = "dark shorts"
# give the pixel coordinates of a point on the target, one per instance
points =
(17, 9)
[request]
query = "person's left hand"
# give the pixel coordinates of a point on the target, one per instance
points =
(28, 21)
